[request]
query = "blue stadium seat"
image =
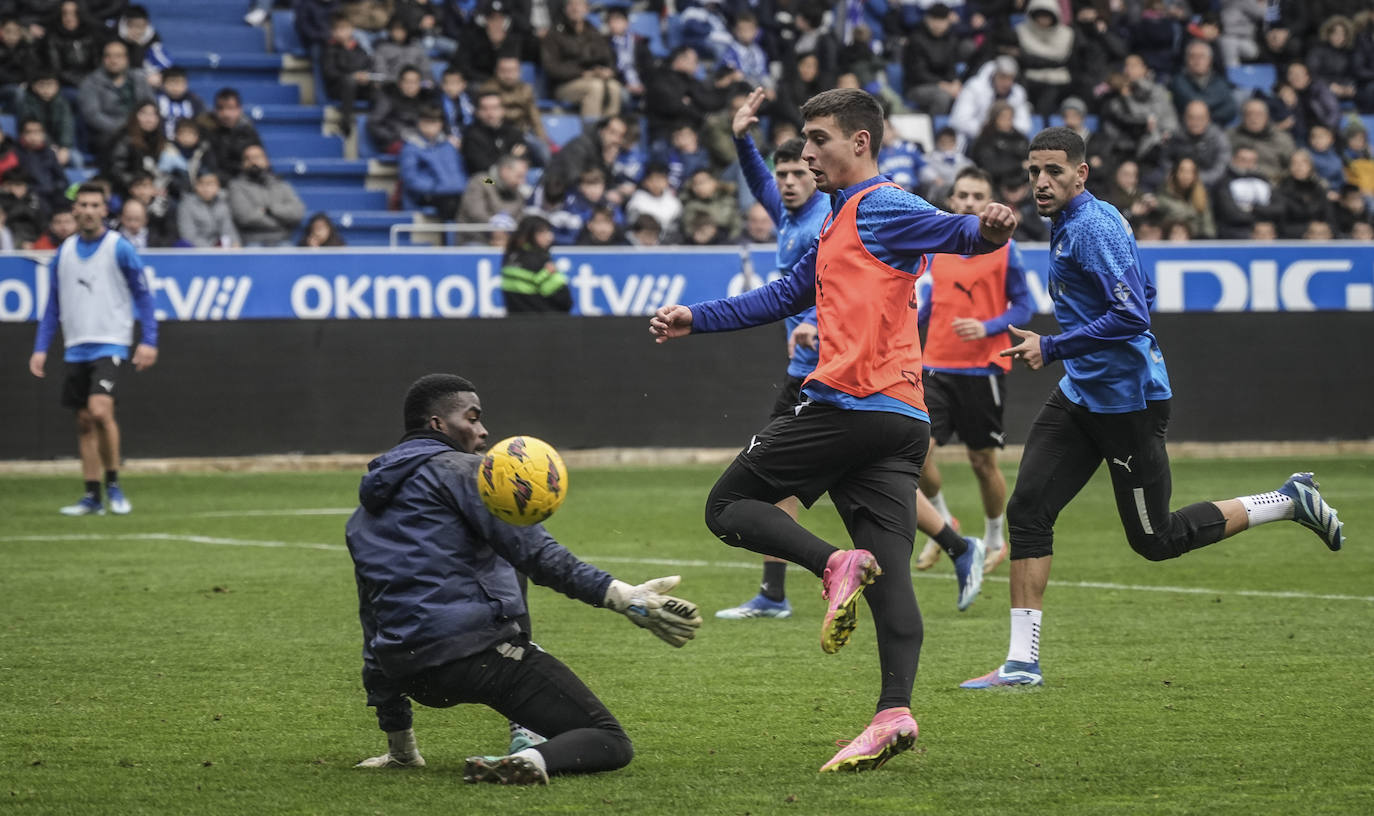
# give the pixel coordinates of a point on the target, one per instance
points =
(338, 198)
(562, 127)
(216, 35)
(895, 80)
(218, 11)
(9, 126)
(305, 145)
(320, 172)
(283, 119)
(252, 93)
(366, 150)
(529, 72)
(1259, 76)
(284, 37)
(647, 25)
(368, 227)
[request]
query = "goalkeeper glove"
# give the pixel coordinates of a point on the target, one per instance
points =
(402, 752)
(672, 620)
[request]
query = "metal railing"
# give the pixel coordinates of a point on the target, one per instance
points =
(436, 229)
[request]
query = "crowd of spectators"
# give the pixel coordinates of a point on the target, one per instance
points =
(456, 90)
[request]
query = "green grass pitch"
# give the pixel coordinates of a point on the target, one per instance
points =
(201, 656)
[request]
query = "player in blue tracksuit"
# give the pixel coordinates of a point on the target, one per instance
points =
(96, 290)
(790, 196)
(440, 603)
(1112, 405)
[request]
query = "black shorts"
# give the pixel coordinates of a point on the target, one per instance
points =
(967, 405)
(84, 380)
(862, 458)
(789, 395)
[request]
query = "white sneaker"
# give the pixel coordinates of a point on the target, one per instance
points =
(255, 18)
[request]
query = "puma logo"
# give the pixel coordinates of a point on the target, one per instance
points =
(999, 438)
(753, 443)
(87, 284)
(964, 289)
(1126, 464)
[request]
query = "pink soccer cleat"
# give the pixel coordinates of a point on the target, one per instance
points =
(846, 574)
(891, 732)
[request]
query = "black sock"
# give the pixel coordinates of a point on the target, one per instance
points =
(111, 477)
(951, 542)
(774, 580)
(93, 490)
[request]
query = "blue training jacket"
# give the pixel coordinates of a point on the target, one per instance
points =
(436, 570)
(1102, 300)
(796, 230)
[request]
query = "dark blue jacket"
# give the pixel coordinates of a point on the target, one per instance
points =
(435, 570)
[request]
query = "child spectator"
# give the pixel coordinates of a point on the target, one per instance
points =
(944, 162)
(459, 109)
(655, 197)
(39, 161)
(175, 101)
(185, 158)
(602, 230)
(632, 57)
(41, 100)
(321, 232)
(707, 194)
(683, 154)
(530, 282)
(347, 69)
(1322, 145)
(161, 211)
(577, 206)
(61, 226)
(25, 212)
(399, 50)
(1355, 155)
(1351, 208)
(204, 219)
(744, 57)
(144, 44)
(431, 170)
(9, 153)
(645, 231)
(699, 229)
(899, 159)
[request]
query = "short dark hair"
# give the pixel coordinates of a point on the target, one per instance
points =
(789, 151)
(1061, 138)
(854, 110)
(91, 188)
(135, 13)
(409, 69)
(976, 173)
(427, 397)
(226, 94)
(453, 70)
(430, 113)
(173, 73)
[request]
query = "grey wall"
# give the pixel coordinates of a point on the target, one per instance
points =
(237, 388)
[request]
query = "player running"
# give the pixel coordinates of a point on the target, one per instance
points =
(861, 430)
(1112, 405)
(973, 299)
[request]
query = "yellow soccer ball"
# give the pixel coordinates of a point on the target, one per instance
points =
(522, 480)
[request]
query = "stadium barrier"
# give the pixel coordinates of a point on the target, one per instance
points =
(247, 367)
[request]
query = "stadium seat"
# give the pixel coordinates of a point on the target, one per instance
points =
(300, 144)
(915, 127)
(321, 172)
(647, 25)
(253, 93)
(304, 120)
(529, 72)
(895, 78)
(211, 34)
(337, 198)
(9, 126)
(1259, 76)
(285, 40)
(562, 127)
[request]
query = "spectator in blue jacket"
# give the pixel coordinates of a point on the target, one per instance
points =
(432, 172)
(439, 601)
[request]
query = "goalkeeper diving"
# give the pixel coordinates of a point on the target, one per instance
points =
(440, 602)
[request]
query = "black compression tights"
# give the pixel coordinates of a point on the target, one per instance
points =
(740, 511)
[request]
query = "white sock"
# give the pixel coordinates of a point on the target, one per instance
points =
(1263, 508)
(939, 501)
(535, 757)
(993, 531)
(1025, 636)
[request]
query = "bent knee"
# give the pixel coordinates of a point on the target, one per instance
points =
(620, 751)
(1152, 547)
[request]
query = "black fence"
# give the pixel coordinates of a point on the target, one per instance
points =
(265, 387)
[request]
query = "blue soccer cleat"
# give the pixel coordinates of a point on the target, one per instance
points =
(88, 506)
(1311, 511)
(1011, 673)
(757, 607)
(119, 504)
(968, 568)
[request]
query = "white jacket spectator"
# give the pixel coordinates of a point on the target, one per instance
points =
(995, 80)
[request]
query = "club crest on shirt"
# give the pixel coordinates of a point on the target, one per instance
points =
(1122, 292)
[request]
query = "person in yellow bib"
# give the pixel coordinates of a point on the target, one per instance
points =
(529, 280)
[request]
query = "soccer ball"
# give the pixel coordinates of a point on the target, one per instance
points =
(522, 480)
